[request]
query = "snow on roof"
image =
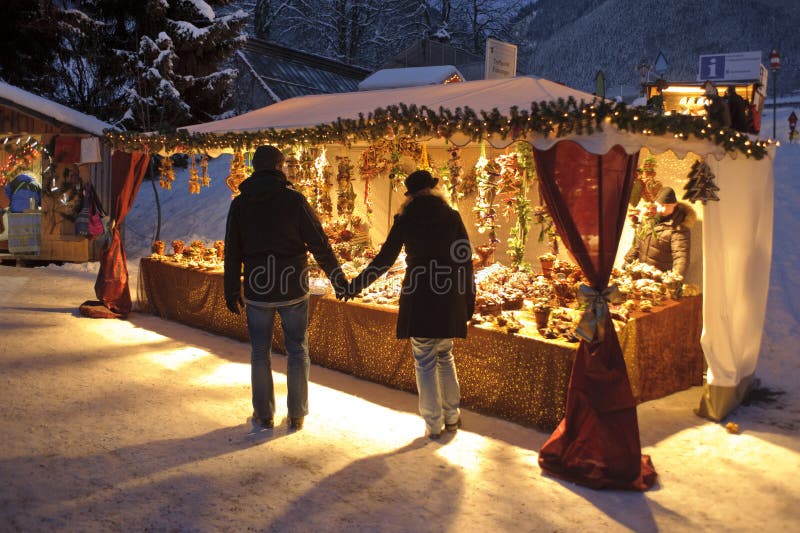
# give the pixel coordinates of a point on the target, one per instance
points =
(393, 78)
(59, 112)
(312, 110)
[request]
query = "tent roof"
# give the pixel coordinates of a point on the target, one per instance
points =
(310, 111)
(61, 113)
(307, 112)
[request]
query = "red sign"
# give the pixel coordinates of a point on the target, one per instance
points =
(774, 60)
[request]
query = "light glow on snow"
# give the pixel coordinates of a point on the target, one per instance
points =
(177, 359)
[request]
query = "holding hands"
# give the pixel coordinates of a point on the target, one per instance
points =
(346, 292)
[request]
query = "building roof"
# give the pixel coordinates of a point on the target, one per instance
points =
(284, 73)
(47, 109)
(393, 78)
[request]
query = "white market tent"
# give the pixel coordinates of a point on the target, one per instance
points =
(737, 236)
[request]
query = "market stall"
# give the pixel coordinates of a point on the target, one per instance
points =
(577, 184)
(58, 152)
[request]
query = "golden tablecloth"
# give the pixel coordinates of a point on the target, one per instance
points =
(522, 379)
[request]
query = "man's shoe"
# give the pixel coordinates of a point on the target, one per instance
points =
(296, 423)
(266, 423)
(434, 436)
(454, 426)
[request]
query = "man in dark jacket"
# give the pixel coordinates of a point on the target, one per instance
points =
(270, 228)
(719, 114)
(665, 245)
(738, 109)
(438, 294)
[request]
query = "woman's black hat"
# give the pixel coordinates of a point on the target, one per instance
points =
(418, 180)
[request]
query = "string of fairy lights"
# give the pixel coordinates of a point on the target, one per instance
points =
(549, 119)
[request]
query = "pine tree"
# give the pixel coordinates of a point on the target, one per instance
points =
(185, 43)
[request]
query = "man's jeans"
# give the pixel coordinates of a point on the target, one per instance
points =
(260, 322)
(437, 383)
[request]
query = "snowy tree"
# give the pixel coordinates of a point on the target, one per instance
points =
(176, 58)
(476, 20)
(154, 101)
(363, 32)
(87, 75)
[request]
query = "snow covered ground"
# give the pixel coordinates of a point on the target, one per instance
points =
(142, 425)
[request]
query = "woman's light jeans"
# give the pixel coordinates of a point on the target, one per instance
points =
(294, 321)
(437, 383)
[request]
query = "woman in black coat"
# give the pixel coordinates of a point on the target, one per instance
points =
(438, 295)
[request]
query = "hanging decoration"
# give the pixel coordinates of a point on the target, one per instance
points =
(194, 177)
(701, 185)
(293, 164)
(645, 185)
(346, 196)
(237, 174)
(547, 229)
(513, 184)
(384, 156)
(463, 184)
(166, 173)
(205, 179)
(322, 186)
(21, 156)
(549, 119)
(308, 174)
(486, 176)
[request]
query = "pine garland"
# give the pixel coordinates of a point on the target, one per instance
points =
(550, 119)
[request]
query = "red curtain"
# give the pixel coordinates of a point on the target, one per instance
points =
(597, 442)
(111, 287)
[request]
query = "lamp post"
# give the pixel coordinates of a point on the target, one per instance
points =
(775, 66)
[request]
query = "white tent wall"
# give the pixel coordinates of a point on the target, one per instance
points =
(737, 246)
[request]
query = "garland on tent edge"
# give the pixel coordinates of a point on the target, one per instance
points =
(556, 119)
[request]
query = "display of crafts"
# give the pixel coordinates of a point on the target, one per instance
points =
(197, 255)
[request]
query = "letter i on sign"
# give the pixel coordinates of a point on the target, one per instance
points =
(712, 67)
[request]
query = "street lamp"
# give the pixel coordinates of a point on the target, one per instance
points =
(775, 66)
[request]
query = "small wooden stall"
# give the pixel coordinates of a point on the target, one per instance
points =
(60, 149)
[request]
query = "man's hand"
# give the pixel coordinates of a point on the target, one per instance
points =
(349, 292)
(234, 305)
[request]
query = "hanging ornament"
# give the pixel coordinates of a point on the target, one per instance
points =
(293, 164)
(345, 197)
(194, 178)
(513, 184)
(322, 186)
(205, 179)
(423, 163)
(167, 172)
(701, 185)
(484, 205)
(307, 176)
(456, 171)
(237, 173)
(21, 156)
